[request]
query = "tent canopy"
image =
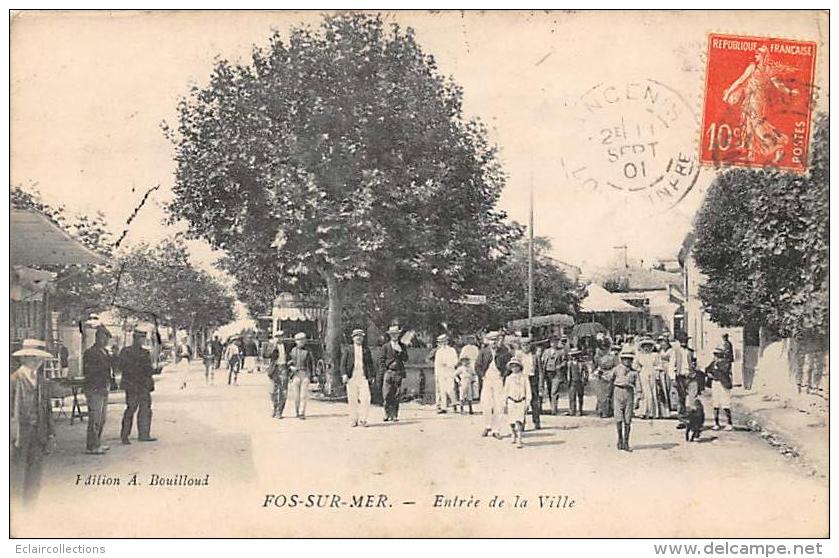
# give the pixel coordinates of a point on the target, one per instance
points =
(35, 240)
(563, 320)
(599, 300)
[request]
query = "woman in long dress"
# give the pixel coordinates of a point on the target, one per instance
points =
(646, 361)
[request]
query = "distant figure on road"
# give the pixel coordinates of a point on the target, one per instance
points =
(624, 380)
(234, 362)
(183, 359)
(208, 355)
(218, 350)
(250, 354)
(551, 360)
(445, 361)
(577, 380)
(301, 370)
(464, 375)
(278, 374)
(392, 361)
(356, 370)
(134, 362)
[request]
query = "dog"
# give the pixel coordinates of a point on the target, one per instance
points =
(694, 421)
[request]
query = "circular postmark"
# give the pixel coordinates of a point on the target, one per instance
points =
(635, 138)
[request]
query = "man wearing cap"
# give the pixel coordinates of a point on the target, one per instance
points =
(392, 361)
(492, 367)
(356, 370)
(718, 378)
(301, 370)
(624, 381)
(31, 424)
(278, 374)
(551, 361)
(134, 362)
(577, 380)
(445, 362)
(532, 368)
(97, 366)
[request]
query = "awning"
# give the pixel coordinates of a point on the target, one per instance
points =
(599, 300)
(29, 284)
(288, 307)
(35, 240)
(563, 320)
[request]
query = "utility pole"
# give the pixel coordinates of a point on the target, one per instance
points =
(530, 265)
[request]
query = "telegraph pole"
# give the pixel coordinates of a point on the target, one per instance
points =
(530, 265)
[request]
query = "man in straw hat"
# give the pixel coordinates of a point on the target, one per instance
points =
(392, 361)
(97, 365)
(356, 370)
(30, 422)
(445, 362)
(624, 381)
(492, 367)
(301, 370)
(134, 362)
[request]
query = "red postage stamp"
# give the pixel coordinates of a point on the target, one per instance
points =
(758, 95)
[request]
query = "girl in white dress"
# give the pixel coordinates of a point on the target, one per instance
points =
(517, 396)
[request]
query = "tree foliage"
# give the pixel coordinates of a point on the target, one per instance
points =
(340, 160)
(160, 280)
(762, 239)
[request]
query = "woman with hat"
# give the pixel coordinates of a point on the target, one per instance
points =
(392, 361)
(647, 373)
(30, 421)
(517, 396)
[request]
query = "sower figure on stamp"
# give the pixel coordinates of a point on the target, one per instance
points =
(134, 362)
(97, 364)
(30, 421)
(624, 380)
(301, 370)
(356, 370)
(392, 360)
(278, 374)
(492, 367)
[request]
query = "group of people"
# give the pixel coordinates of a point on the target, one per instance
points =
(239, 353)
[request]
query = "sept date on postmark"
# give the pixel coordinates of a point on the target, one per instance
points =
(637, 140)
(758, 102)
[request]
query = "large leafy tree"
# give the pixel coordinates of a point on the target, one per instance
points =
(159, 280)
(762, 240)
(340, 159)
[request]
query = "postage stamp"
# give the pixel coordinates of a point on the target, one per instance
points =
(757, 102)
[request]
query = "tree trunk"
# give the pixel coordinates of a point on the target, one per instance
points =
(331, 357)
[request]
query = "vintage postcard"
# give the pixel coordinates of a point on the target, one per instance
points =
(298, 274)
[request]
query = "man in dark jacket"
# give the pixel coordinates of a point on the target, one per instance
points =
(134, 363)
(356, 370)
(301, 368)
(491, 367)
(97, 366)
(392, 365)
(718, 378)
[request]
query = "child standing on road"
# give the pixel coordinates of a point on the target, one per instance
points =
(465, 375)
(517, 396)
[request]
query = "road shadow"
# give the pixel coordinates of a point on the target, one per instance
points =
(706, 440)
(538, 433)
(388, 424)
(568, 427)
(542, 443)
(661, 446)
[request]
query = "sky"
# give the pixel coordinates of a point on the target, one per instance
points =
(557, 91)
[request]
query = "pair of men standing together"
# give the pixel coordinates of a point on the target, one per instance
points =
(357, 371)
(291, 375)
